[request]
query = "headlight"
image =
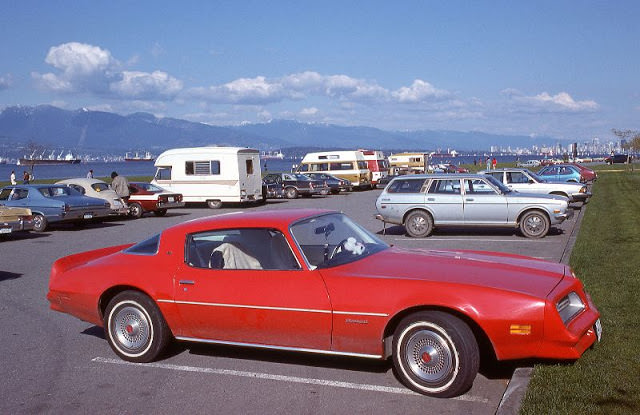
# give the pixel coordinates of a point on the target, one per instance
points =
(569, 306)
(583, 189)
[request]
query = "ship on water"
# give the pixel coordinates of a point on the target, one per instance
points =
(137, 157)
(266, 155)
(52, 158)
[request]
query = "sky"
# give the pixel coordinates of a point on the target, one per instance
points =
(564, 69)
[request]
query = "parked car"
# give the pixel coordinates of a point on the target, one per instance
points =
(147, 197)
(424, 202)
(294, 184)
(618, 158)
(14, 219)
(335, 184)
(561, 173)
(587, 174)
(526, 181)
(449, 168)
(101, 190)
(51, 203)
(272, 190)
(528, 163)
(286, 280)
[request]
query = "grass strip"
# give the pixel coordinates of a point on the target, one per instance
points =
(606, 257)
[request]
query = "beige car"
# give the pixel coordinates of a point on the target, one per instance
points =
(101, 190)
(13, 219)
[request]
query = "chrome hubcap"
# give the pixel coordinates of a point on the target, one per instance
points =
(534, 224)
(131, 328)
(429, 356)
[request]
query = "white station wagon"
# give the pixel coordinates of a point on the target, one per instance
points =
(422, 202)
(525, 181)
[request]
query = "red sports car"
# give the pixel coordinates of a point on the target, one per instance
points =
(146, 197)
(314, 281)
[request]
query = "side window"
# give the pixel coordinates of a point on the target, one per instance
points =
(4, 194)
(546, 172)
(478, 187)
(163, 173)
(406, 186)
(240, 249)
(517, 177)
(497, 175)
(202, 168)
(445, 187)
(80, 188)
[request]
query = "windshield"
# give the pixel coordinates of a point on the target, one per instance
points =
(334, 239)
(536, 177)
(504, 189)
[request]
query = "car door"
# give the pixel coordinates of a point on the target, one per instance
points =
(444, 199)
(483, 204)
(251, 300)
(549, 173)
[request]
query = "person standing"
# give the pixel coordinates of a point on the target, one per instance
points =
(90, 174)
(121, 185)
(488, 163)
(494, 163)
(25, 177)
(12, 178)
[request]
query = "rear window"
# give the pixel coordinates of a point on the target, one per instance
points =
(146, 247)
(99, 187)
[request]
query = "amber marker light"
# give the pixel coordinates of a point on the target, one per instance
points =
(520, 329)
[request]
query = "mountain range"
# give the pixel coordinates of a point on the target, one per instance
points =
(85, 130)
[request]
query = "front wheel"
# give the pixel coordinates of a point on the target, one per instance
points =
(291, 193)
(534, 224)
(436, 354)
(419, 224)
(39, 223)
(135, 210)
(135, 328)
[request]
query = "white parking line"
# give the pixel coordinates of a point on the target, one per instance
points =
(281, 378)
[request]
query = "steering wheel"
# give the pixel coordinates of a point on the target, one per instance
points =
(338, 248)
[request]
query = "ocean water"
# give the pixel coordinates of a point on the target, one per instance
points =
(146, 168)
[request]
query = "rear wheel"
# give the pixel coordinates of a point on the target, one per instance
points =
(135, 210)
(135, 328)
(214, 204)
(436, 354)
(419, 224)
(39, 223)
(534, 224)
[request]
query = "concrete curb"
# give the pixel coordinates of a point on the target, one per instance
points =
(512, 398)
(514, 394)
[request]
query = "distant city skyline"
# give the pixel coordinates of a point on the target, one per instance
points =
(562, 69)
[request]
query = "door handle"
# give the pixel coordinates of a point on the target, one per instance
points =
(469, 199)
(431, 199)
(187, 282)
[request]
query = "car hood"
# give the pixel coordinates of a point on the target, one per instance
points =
(501, 271)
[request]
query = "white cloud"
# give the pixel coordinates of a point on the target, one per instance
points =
(419, 91)
(90, 69)
(309, 111)
(146, 85)
(545, 102)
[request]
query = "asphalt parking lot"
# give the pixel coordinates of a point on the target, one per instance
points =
(54, 363)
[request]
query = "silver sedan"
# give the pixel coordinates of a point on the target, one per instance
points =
(422, 202)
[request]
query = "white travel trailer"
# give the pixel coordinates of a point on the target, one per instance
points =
(215, 175)
(348, 165)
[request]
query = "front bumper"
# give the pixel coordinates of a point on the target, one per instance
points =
(580, 197)
(561, 217)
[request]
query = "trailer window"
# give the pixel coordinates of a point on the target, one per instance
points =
(202, 168)
(249, 166)
(341, 166)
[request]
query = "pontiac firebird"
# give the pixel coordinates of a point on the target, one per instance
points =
(314, 281)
